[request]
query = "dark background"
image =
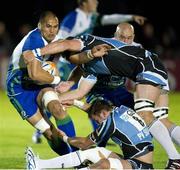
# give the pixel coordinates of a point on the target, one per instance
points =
(160, 13)
(163, 15)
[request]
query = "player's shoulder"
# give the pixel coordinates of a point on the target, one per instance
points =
(137, 44)
(34, 34)
(33, 40)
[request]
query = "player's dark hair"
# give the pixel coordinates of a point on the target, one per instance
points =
(97, 106)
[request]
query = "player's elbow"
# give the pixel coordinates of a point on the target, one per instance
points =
(34, 76)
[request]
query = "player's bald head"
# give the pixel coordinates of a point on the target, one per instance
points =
(125, 27)
(125, 32)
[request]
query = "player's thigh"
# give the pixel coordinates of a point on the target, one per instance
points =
(163, 100)
(147, 91)
(25, 103)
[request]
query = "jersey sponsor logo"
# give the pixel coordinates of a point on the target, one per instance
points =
(134, 119)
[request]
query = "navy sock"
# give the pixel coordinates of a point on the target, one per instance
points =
(67, 126)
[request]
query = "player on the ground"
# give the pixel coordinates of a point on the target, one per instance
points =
(122, 125)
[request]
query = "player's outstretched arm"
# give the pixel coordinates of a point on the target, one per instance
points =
(61, 46)
(79, 142)
(119, 18)
(85, 85)
(53, 48)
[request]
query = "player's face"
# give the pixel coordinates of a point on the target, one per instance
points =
(92, 5)
(126, 36)
(99, 118)
(49, 28)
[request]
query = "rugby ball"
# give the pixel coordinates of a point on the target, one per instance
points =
(50, 67)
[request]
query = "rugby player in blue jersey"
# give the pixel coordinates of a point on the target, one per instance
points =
(26, 78)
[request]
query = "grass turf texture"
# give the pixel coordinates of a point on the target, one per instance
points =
(15, 134)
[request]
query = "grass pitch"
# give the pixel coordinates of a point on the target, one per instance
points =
(15, 134)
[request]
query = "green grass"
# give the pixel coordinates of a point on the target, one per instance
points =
(15, 134)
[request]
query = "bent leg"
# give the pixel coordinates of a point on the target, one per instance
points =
(49, 99)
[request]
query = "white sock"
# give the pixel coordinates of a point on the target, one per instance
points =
(161, 134)
(175, 135)
(85, 168)
(64, 161)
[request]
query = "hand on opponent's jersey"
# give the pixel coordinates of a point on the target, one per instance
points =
(28, 56)
(100, 50)
(64, 86)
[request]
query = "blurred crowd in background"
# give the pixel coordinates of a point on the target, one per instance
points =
(159, 34)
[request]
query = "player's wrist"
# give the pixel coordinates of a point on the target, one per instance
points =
(56, 80)
(90, 55)
(65, 138)
(78, 103)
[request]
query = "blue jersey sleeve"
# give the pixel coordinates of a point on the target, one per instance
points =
(34, 40)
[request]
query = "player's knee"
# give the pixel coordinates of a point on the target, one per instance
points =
(144, 105)
(115, 163)
(51, 102)
(144, 108)
(48, 97)
(161, 112)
